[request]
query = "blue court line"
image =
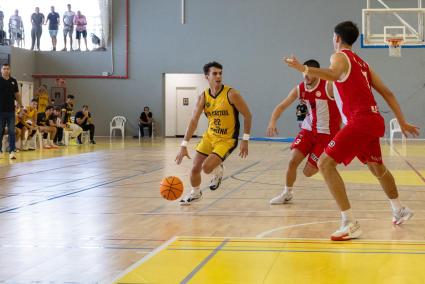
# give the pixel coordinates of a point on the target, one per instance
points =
(74, 192)
(202, 264)
(304, 251)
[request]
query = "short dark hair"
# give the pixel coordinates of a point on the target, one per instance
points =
(348, 31)
(85, 106)
(5, 64)
(312, 63)
(146, 107)
(70, 97)
(212, 64)
(57, 108)
(49, 107)
(34, 100)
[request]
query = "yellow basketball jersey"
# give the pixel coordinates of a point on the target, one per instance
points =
(223, 117)
(43, 101)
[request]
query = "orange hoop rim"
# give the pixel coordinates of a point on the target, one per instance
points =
(394, 42)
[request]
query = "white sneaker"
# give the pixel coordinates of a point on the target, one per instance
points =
(347, 231)
(12, 156)
(216, 179)
(402, 215)
(282, 198)
(191, 197)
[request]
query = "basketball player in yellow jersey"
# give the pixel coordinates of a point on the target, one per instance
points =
(43, 98)
(222, 105)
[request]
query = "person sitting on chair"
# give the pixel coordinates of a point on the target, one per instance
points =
(145, 121)
(84, 120)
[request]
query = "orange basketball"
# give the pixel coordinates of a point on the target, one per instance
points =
(171, 188)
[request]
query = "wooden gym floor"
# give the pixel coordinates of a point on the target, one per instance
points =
(93, 214)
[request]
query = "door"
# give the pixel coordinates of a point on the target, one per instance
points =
(186, 102)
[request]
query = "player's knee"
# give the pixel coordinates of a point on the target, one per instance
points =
(196, 169)
(293, 164)
(207, 169)
(309, 172)
(324, 163)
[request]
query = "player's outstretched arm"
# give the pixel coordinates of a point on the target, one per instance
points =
(337, 70)
(391, 100)
(279, 109)
(193, 124)
(236, 99)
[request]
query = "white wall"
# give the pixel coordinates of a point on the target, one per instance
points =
(172, 82)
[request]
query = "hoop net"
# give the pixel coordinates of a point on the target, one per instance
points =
(394, 46)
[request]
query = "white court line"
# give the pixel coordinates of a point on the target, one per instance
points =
(145, 258)
(268, 232)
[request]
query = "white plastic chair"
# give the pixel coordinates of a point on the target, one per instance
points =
(117, 122)
(395, 128)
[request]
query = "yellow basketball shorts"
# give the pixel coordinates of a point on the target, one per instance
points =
(222, 147)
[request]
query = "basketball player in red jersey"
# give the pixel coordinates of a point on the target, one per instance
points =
(318, 128)
(353, 83)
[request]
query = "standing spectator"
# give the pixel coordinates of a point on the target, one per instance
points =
(84, 120)
(54, 21)
(68, 26)
(16, 29)
(67, 110)
(301, 112)
(37, 20)
(81, 28)
(9, 92)
(42, 97)
(145, 121)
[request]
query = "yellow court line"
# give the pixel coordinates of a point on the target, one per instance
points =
(248, 260)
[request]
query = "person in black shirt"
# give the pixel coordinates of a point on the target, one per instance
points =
(84, 120)
(47, 126)
(301, 112)
(37, 20)
(145, 120)
(54, 21)
(67, 118)
(9, 92)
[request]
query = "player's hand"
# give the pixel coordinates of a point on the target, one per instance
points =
(293, 63)
(244, 149)
(183, 153)
(272, 131)
(411, 129)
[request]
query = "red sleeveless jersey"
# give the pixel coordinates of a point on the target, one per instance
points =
(353, 95)
(323, 115)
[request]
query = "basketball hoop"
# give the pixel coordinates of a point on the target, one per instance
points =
(394, 46)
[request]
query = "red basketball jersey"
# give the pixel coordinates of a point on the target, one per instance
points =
(353, 94)
(323, 115)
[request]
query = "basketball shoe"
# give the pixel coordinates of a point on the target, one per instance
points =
(218, 176)
(193, 196)
(402, 215)
(348, 230)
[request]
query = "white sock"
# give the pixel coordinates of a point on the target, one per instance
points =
(196, 190)
(347, 216)
(287, 189)
(395, 204)
(216, 170)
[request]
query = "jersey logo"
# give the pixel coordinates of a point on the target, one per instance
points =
(318, 94)
(331, 144)
(207, 104)
(374, 109)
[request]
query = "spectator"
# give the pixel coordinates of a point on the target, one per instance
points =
(9, 93)
(85, 121)
(301, 112)
(68, 26)
(16, 29)
(2, 32)
(145, 120)
(67, 110)
(47, 127)
(58, 123)
(37, 20)
(32, 111)
(54, 21)
(42, 97)
(22, 127)
(1, 21)
(81, 28)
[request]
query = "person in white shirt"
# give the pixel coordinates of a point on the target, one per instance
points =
(68, 27)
